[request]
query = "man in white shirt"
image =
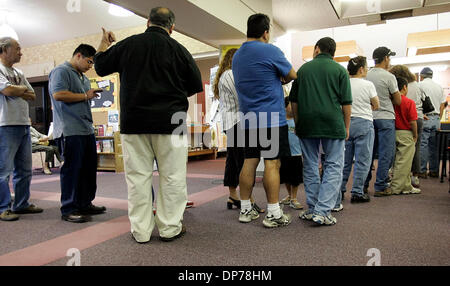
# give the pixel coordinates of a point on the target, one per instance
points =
(428, 145)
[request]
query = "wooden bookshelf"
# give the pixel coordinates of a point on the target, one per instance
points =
(196, 133)
(110, 161)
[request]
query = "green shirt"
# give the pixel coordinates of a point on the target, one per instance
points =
(321, 88)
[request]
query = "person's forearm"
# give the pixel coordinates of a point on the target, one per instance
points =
(413, 125)
(15, 90)
(67, 96)
(441, 109)
(295, 111)
(102, 47)
(347, 111)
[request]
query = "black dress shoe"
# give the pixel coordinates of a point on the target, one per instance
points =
(182, 232)
(93, 210)
(75, 217)
(360, 199)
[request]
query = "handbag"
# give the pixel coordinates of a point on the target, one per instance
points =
(427, 106)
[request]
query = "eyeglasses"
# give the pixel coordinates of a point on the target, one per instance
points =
(91, 62)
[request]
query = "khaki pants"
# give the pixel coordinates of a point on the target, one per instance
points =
(139, 153)
(404, 155)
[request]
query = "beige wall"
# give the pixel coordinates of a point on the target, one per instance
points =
(205, 67)
(57, 53)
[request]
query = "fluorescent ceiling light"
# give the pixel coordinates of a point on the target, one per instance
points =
(7, 31)
(430, 58)
(119, 11)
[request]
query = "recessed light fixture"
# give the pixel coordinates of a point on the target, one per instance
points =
(119, 11)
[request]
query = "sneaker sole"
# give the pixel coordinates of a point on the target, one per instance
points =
(9, 219)
(320, 222)
(247, 221)
(275, 225)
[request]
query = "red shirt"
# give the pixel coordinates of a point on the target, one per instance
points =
(405, 113)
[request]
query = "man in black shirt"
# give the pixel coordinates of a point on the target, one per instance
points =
(157, 75)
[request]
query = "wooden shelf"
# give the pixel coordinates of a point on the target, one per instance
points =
(106, 168)
(111, 161)
(198, 129)
(210, 153)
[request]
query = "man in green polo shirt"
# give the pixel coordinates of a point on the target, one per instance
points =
(321, 99)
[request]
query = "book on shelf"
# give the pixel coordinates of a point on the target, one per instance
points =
(99, 146)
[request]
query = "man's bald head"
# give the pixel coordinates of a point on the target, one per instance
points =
(163, 17)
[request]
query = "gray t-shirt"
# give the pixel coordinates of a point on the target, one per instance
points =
(75, 118)
(385, 84)
(415, 93)
(13, 110)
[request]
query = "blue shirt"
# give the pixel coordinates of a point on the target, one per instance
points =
(74, 118)
(294, 141)
(257, 69)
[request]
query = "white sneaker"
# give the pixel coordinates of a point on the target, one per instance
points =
(324, 220)
(248, 215)
(338, 209)
(415, 181)
(412, 191)
(305, 215)
(271, 221)
(295, 205)
(286, 200)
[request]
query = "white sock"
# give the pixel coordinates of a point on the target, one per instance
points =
(274, 209)
(246, 205)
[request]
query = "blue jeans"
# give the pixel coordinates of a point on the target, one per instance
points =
(15, 157)
(428, 145)
(385, 145)
(360, 146)
(321, 196)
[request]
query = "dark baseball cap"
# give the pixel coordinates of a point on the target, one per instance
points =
(426, 71)
(382, 52)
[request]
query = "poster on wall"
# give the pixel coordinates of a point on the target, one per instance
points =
(108, 99)
(224, 49)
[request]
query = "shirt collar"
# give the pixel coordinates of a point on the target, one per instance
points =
(157, 29)
(324, 55)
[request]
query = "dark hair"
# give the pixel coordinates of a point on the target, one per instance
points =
(163, 17)
(401, 82)
(355, 64)
(225, 65)
(85, 50)
(404, 72)
(286, 101)
(257, 24)
(326, 45)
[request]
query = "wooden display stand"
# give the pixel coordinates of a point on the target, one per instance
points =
(111, 161)
(203, 151)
